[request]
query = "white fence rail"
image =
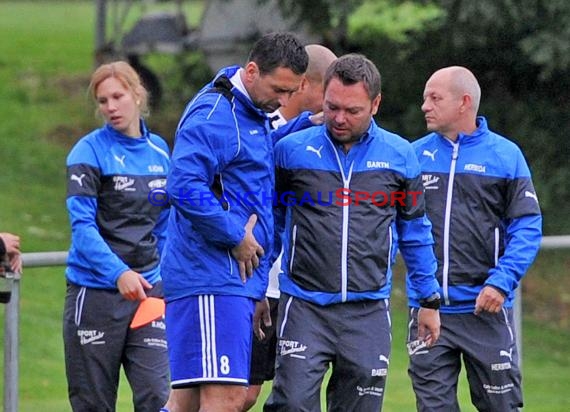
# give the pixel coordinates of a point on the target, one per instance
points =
(42, 259)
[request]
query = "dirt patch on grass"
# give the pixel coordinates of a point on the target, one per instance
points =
(67, 135)
(162, 121)
(546, 289)
(72, 89)
(74, 86)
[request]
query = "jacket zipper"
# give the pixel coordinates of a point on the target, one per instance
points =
(447, 222)
(344, 250)
(497, 240)
(293, 241)
(344, 234)
(390, 246)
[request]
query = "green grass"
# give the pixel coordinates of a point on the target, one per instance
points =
(43, 46)
(46, 56)
(546, 358)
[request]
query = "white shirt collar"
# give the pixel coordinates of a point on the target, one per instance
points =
(236, 81)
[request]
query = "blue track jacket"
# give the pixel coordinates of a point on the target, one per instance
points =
(114, 225)
(345, 212)
(484, 211)
(222, 172)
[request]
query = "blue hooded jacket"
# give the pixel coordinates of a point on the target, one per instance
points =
(222, 172)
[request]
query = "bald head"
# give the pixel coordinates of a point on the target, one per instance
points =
(451, 101)
(309, 97)
(320, 58)
(461, 81)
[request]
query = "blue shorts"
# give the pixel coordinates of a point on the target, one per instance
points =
(209, 339)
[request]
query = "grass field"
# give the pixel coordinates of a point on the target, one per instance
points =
(46, 55)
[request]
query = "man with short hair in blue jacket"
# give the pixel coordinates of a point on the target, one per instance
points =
(487, 226)
(350, 191)
(220, 232)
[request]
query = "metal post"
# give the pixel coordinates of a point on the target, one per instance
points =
(518, 324)
(43, 259)
(11, 349)
(100, 29)
(12, 324)
(518, 329)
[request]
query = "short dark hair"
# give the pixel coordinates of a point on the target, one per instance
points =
(354, 68)
(279, 49)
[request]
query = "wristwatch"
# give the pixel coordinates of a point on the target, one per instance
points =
(431, 302)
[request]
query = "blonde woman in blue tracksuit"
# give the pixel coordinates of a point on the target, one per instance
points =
(116, 238)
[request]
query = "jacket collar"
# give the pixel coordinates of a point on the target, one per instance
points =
(371, 133)
(223, 83)
(462, 138)
(120, 136)
(481, 130)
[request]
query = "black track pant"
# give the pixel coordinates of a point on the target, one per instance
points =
(486, 345)
(98, 340)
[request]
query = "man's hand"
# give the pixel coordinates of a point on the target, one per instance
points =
(11, 242)
(12, 245)
(317, 119)
(428, 325)
(132, 285)
(489, 300)
(16, 262)
(262, 313)
(248, 252)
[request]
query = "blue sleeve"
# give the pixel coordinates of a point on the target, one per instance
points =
(279, 228)
(297, 123)
(87, 241)
(520, 195)
(83, 184)
(523, 228)
(523, 236)
(415, 239)
(205, 142)
(160, 229)
(279, 208)
(415, 242)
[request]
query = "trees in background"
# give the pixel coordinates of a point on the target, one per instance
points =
(518, 49)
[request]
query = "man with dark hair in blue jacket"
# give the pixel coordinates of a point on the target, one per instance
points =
(303, 110)
(338, 183)
(487, 226)
(220, 231)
